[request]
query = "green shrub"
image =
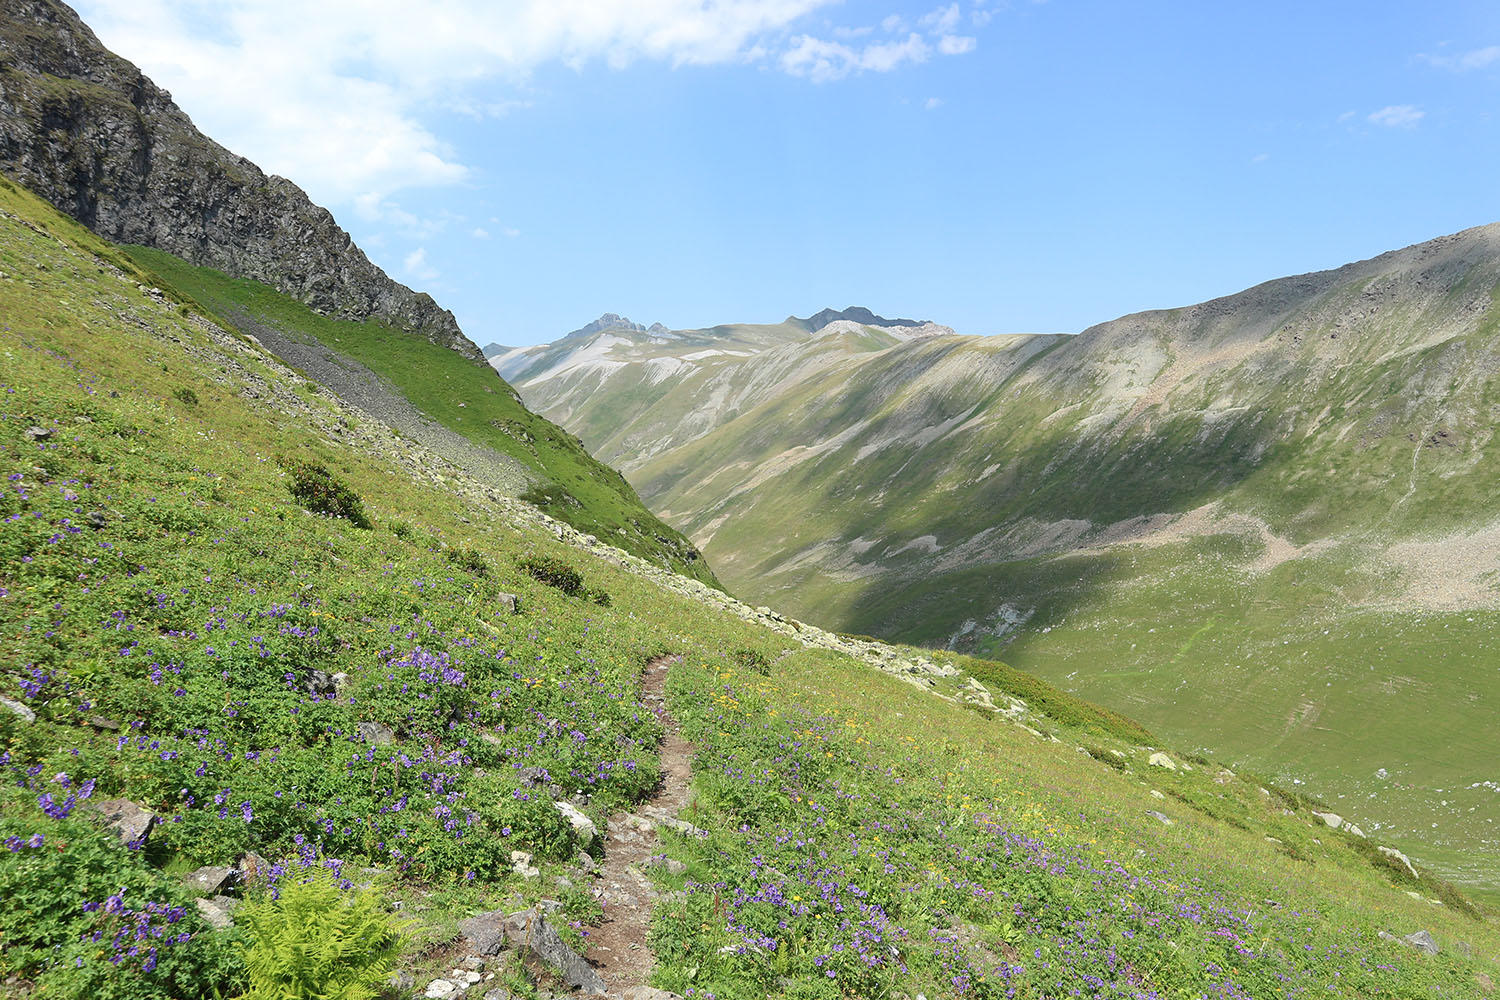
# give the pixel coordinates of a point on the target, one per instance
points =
(752, 660)
(554, 573)
(321, 492)
(470, 559)
(316, 941)
(187, 396)
(599, 597)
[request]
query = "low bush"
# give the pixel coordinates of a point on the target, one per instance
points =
(554, 573)
(321, 492)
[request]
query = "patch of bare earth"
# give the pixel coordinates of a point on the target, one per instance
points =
(617, 948)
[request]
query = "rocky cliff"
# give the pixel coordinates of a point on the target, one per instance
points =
(88, 131)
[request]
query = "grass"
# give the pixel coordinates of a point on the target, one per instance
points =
(460, 394)
(190, 637)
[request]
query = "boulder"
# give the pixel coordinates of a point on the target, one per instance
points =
(582, 825)
(1391, 852)
(521, 862)
(129, 821)
(16, 708)
(1421, 940)
(376, 733)
(1333, 819)
(529, 931)
(218, 910)
(1162, 817)
(510, 602)
(1160, 759)
(210, 878)
(440, 989)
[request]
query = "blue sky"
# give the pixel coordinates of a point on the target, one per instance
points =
(995, 166)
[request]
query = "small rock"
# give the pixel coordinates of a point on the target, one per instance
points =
(38, 433)
(1156, 794)
(647, 993)
(376, 733)
(1165, 819)
(670, 865)
(1160, 759)
(1333, 819)
(254, 869)
(1356, 831)
(1422, 941)
(521, 862)
(473, 963)
(218, 910)
(586, 863)
(210, 878)
(402, 982)
(499, 993)
(100, 722)
(510, 602)
(582, 825)
(1391, 852)
(129, 821)
(19, 709)
(440, 989)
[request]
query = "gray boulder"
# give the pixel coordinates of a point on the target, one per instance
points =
(529, 931)
(129, 821)
(218, 910)
(376, 733)
(210, 878)
(26, 714)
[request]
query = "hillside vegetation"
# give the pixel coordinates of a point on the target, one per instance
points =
(225, 597)
(1260, 524)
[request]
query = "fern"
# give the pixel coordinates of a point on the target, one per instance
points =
(316, 942)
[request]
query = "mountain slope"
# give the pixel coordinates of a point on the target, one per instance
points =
(89, 132)
(1261, 524)
(104, 144)
(407, 700)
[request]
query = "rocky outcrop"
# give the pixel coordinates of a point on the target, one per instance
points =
(89, 132)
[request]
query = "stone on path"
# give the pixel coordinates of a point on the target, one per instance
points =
(529, 931)
(582, 825)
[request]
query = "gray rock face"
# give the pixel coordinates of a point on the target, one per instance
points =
(1421, 941)
(90, 133)
(210, 878)
(376, 733)
(529, 931)
(218, 911)
(131, 822)
(18, 709)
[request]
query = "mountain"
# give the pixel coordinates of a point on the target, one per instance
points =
(96, 138)
(1261, 524)
(251, 635)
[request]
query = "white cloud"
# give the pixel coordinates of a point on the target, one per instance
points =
(941, 21)
(1465, 61)
(416, 266)
(1397, 116)
(333, 93)
(893, 23)
(480, 233)
(957, 45)
(1260, 157)
(821, 61)
(511, 232)
(932, 104)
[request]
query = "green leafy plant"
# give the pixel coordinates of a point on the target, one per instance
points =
(317, 941)
(186, 395)
(554, 573)
(321, 492)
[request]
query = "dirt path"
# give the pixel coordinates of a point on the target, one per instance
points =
(618, 948)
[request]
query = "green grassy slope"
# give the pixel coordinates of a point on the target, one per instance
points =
(1312, 454)
(188, 636)
(460, 394)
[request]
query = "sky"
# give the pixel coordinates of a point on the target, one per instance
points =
(995, 166)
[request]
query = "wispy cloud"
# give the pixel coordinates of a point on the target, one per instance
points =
(932, 104)
(416, 266)
(1396, 116)
(1463, 62)
(941, 21)
(820, 60)
(957, 45)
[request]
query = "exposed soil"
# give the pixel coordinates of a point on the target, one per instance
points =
(618, 948)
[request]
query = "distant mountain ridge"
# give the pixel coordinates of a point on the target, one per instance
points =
(90, 132)
(1262, 523)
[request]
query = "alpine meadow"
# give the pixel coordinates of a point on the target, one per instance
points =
(844, 656)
